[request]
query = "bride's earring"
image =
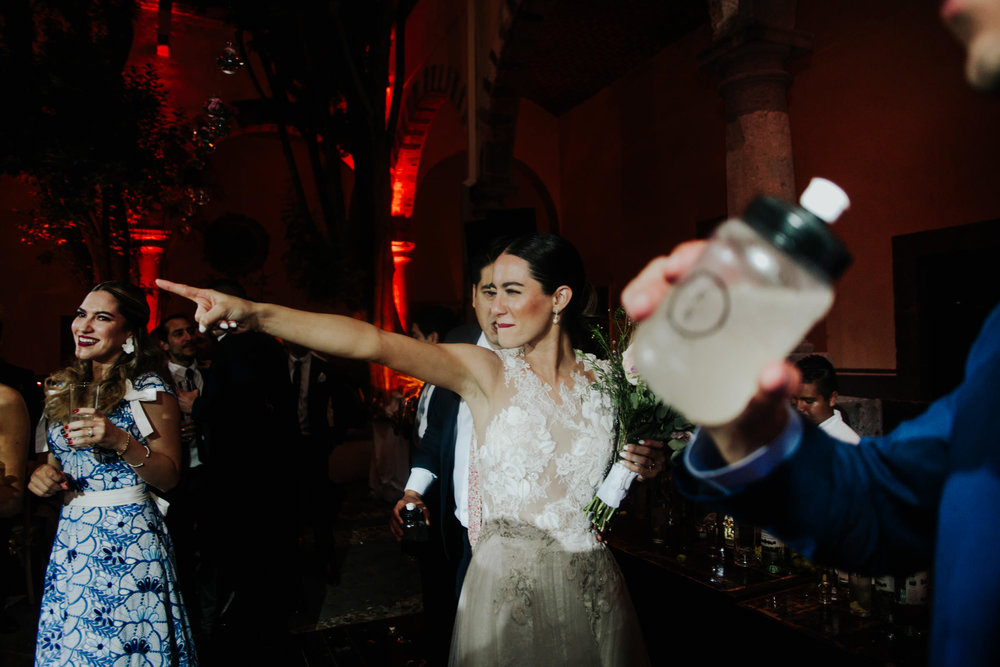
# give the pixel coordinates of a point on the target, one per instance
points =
(555, 317)
(129, 345)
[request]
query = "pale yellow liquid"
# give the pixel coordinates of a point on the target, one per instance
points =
(711, 378)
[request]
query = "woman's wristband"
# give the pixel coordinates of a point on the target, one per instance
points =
(120, 453)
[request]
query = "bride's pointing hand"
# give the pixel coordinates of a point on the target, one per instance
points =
(214, 309)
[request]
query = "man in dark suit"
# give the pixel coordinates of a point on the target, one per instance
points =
(314, 388)
(443, 457)
(248, 416)
(189, 504)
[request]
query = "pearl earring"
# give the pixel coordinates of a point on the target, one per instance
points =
(555, 317)
(129, 345)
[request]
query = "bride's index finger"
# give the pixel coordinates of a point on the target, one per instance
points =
(185, 291)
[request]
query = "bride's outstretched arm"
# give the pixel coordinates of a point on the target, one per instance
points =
(464, 369)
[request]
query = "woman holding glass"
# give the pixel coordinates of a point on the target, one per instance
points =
(540, 588)
(112, 429)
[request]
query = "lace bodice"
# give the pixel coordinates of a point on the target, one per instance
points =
(543, 456)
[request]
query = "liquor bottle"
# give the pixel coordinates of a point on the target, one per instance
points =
(773, 554)
(861, 595)
(414, 526)
(912, 593)
(884, 598)
(843, 584)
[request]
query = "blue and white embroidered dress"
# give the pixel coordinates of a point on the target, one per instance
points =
(110, 594)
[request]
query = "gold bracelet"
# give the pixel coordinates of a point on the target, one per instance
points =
(128, 440)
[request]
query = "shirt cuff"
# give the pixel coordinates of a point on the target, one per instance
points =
(704, 462)
(420, 480)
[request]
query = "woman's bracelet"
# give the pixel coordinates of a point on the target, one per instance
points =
(128, 440)
(120, 453)
(139, 465)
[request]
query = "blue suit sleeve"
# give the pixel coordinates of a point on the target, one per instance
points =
(870, 507)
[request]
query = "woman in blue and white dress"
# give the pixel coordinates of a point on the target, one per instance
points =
(110, 594)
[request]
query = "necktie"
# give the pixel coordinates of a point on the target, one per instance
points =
(189, 379)
(297, 377)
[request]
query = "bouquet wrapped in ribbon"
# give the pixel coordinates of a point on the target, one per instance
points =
(640, 415)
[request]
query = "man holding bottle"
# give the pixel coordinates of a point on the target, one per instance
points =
(923, 494)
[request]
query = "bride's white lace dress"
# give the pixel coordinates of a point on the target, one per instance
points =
(541, 590)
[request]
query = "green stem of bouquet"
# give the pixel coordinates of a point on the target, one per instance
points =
(600, 513)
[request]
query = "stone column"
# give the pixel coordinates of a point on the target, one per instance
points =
(150, 239)
(400, 258)
(753, 42)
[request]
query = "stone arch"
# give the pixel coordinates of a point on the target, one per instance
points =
(431, 88)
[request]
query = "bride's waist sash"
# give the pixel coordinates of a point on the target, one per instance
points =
(532, 537)
(129, 495)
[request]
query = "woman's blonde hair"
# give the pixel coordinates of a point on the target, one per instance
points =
(146, 357)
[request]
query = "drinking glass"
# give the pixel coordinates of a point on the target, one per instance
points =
(83, 395)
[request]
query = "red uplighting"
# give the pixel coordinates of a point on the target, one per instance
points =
(398, 195)
(400, 256)
(163, 50)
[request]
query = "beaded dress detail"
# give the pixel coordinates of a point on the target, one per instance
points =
(541, 588)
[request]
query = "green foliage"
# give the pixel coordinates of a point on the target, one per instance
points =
(640, 414)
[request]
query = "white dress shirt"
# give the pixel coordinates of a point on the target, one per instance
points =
(836, 428)
(179, 374)
(421, 478)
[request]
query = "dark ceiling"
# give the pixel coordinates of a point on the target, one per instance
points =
(559, 53)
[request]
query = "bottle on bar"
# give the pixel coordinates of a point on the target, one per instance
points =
(912, 594)
(884, 598)
(773, 554)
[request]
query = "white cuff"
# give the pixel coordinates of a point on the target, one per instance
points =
(420, 480)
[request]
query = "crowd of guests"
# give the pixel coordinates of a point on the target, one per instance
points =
(164, 481)
(540, 586)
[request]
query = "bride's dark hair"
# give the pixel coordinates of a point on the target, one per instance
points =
(553, 262)
(146, 357)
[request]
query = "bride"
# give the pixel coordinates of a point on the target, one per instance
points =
(541, 588)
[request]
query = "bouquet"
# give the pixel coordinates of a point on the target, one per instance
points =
(640, 415)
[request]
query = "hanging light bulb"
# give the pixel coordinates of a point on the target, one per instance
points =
(229, 62)
(219, 116)
(201, 196)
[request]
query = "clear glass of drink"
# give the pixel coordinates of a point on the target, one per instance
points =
(84, 395)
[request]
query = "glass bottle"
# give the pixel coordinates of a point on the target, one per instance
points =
(762, 281)
(773, 554)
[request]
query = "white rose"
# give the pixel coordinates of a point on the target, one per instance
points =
(631, 374)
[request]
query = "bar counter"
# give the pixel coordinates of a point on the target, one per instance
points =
(696, 607)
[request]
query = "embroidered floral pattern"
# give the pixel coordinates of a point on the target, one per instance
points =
(545, 457)
(541, 589)
(110, 594)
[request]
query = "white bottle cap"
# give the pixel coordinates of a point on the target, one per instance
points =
(411, 506)
(824, 199)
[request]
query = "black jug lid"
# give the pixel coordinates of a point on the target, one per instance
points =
(800, 234)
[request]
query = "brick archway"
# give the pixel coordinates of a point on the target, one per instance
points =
(432, 87)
